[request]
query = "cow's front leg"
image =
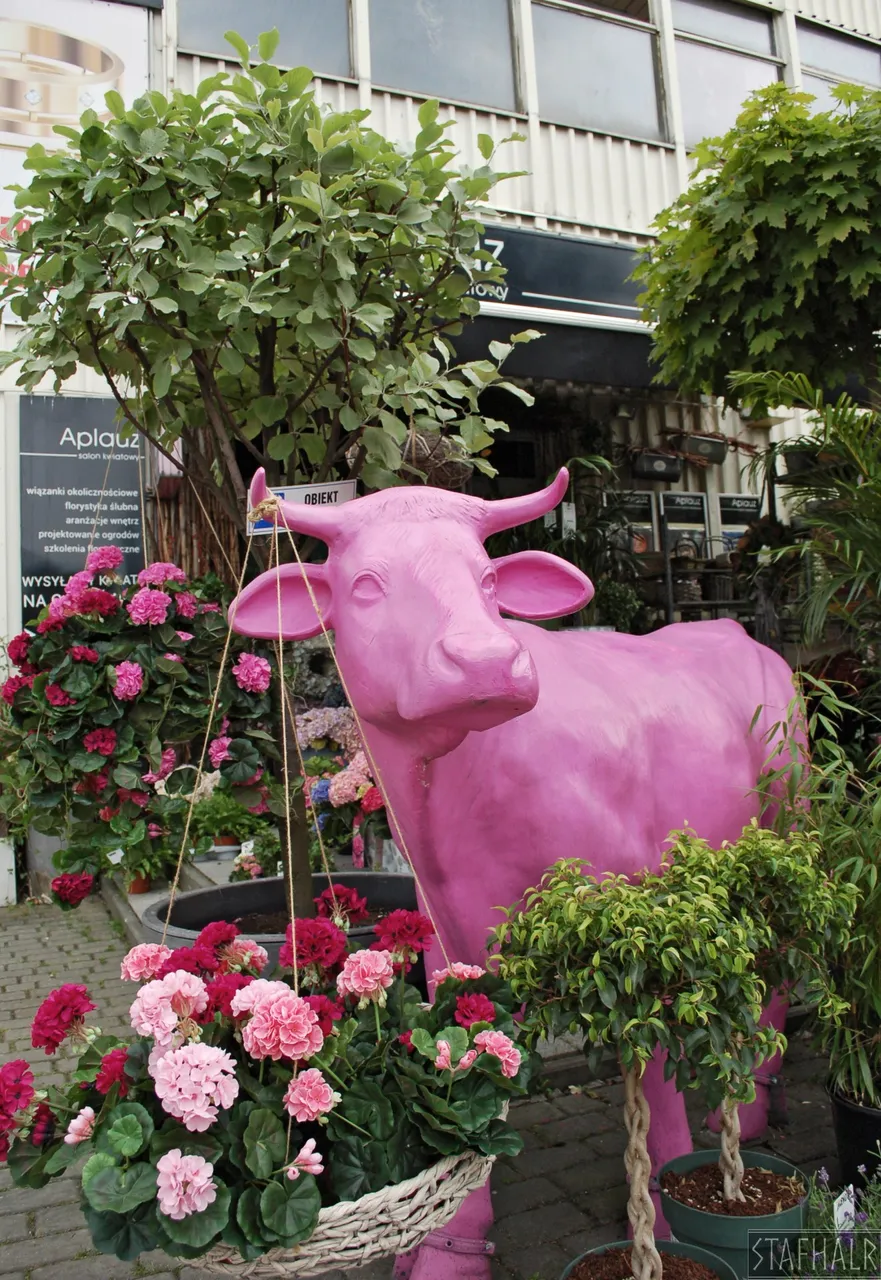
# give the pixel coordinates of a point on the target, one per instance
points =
(458, 1251)
(669, 1135)
(769, 1106)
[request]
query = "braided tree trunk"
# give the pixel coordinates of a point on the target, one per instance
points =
(729, 1157)
(640, 1208)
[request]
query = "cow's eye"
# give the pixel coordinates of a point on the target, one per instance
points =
(488, 582)
(368, 587)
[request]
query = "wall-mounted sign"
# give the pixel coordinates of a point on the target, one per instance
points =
(54, 69)
(685, 518)
(562, 273)
(77, 476)
(736, 512)
(637, 512)
(314, 495)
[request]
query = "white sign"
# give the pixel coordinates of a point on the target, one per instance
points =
(568, 512)
(311, 495)
(844, 1210)
(115, 857)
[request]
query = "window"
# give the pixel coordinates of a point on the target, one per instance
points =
(580, 66)
(724, 51)
(457, 50)
(312, 35)
(832, 59)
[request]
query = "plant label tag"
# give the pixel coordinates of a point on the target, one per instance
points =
(844, 1210)
(247, 849)
(115, 857)
(568, 510)
(550, 519)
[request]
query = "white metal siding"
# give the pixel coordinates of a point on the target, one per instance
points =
(860, 16)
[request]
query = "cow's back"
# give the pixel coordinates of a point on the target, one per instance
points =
(632, 737)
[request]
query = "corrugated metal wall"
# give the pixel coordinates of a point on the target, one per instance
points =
(861, 16)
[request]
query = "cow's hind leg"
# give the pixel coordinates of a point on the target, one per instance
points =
(769, 1106)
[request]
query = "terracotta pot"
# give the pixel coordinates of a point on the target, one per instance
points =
(140, 884)
(225, 842)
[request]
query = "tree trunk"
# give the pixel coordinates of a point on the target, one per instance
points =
(640, 1208)
(729, 1157)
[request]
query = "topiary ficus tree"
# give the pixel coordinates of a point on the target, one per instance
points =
(260, 280)
(771, 259)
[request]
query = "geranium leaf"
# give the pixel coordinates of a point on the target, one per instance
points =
(291, 1209)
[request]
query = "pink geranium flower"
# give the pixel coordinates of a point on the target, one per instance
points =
(462, 972)
(186, 604)
(310, 1097)
(104, 560)
(169, 760)
(501, 1047)
(184, 1184)
(307, 1160)
(144, 961)
(149, 607)
(193, 1082)
(162, 1004)
(252, 673)
(129, 680)
(282, 1026)
(366, 975)
(218, 751)
(156, 574)
(80, 1127)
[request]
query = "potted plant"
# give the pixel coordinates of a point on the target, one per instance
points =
(635, 965)
(780, 884)
(706, 448)
(223, 820)
(244, 1115)
(140, 869)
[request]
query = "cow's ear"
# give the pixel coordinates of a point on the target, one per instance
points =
(255, 611)
(533, 584)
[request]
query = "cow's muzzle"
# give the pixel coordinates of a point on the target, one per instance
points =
(472, 682)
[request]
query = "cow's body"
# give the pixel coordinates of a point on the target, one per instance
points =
(502, 747)
(632, 737)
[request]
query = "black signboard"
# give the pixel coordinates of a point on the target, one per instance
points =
(738, 508)
(685, 517)
(562, 273)
(76, 475)
(684, 508)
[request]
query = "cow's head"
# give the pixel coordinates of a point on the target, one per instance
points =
(415, 602)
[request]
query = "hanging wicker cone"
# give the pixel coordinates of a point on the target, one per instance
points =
(378, 1225)
(441, 461)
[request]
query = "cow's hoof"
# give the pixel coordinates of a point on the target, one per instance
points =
(769, 1108)
(445, 1257)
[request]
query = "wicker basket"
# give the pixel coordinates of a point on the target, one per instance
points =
(379, 1225)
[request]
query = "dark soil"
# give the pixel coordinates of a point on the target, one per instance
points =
(765, 1192)
(278, 921)
(617, 1264)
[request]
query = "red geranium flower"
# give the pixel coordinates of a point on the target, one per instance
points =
(91, 784)
(45, 1121)
(57, 696)
(17, 649)
(94, 600)
(328, 1012)
(372, 800)
(217, 933)
(406, 1039)
(49, 624)
(112, 1071)
(404, 932)
(107, 814)
(319, 943)
(61, 1013)
(101, 740)
(196, 959)
(82, 653)
(220, 993)
(73, 887)
(338, 899)
(474, 1008)
(16, 1086)
(12, 686)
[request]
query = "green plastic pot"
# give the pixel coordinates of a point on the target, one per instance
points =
(727, 1237)
(673, 1247)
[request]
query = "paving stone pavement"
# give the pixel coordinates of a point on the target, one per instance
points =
(565, 1193)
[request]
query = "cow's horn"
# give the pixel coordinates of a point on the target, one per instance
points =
(318, 521)
(508, 512)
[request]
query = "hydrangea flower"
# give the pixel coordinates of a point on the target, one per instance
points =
(104, 560)
(129, 680)
(184, 1184)
(149, 607)
(252, 674)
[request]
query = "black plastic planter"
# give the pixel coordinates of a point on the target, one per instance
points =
(857, 1134)
(674, 1248)
(192, 911)
(726, 1236)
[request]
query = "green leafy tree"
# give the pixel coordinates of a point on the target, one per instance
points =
(772, 257)
(260, 279)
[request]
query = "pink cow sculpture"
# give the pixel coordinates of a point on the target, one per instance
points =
(504, 746)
